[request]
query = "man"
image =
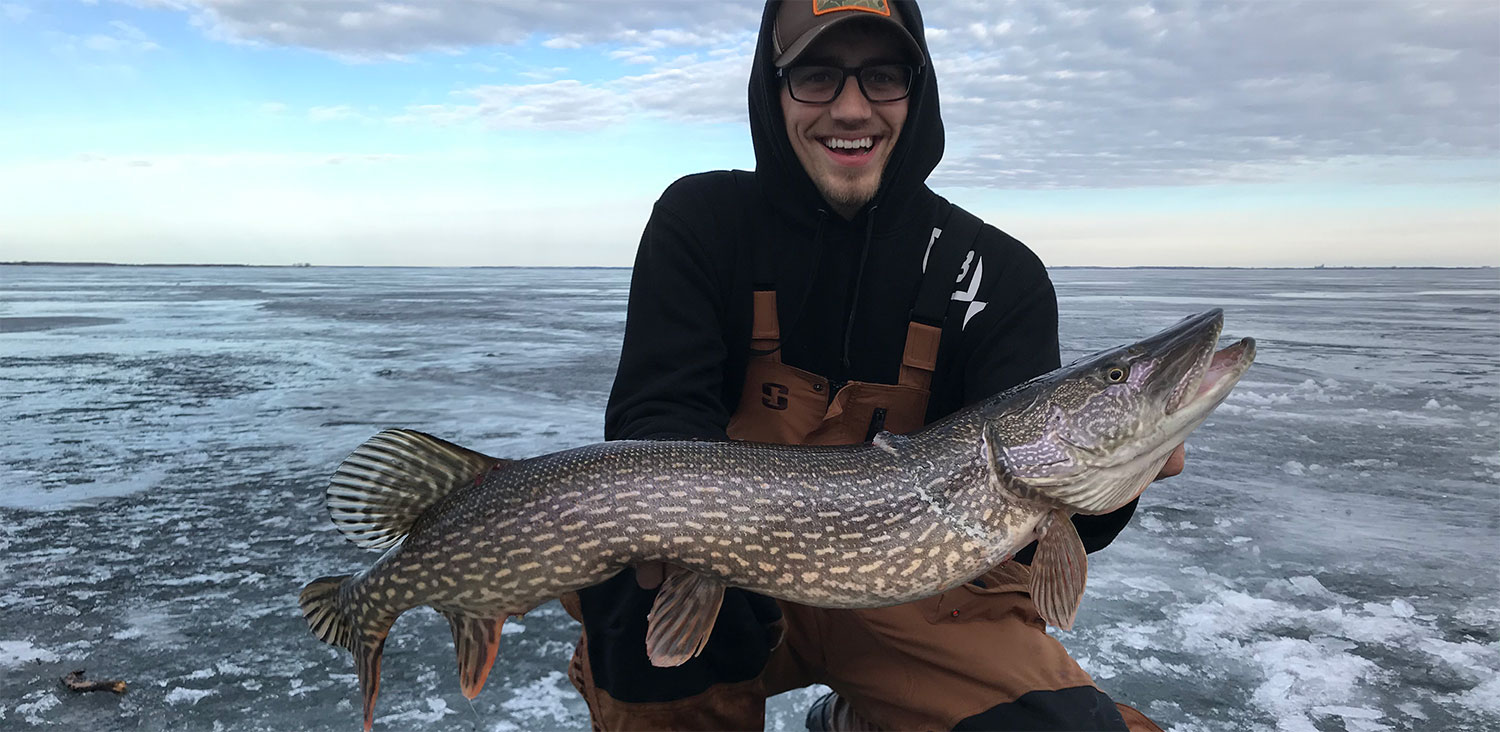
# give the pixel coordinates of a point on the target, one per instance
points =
(825, 297)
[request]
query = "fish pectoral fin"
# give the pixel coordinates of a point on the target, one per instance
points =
(1059, 571)
(678, 626)
(1078, 487)
(477, 640)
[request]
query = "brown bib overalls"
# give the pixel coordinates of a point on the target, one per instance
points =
(924, 665)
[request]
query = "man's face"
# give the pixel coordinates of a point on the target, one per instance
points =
(844, 144)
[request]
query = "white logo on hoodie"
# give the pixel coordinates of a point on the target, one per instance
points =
(962, 294)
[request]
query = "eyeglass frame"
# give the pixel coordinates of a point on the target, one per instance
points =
(848, 71)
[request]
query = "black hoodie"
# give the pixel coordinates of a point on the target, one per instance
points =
(845, 289)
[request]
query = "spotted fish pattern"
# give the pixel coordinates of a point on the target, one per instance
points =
(904, 517)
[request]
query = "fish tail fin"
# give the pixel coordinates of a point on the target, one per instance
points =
(325, 611)
(335, 619)
(380, 490)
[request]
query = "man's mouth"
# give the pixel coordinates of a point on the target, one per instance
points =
(849, 149)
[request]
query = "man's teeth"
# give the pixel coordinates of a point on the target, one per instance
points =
(835, 143)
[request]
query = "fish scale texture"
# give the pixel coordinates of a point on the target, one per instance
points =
(837, 527)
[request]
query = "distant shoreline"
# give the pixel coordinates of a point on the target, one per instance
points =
(581, 266)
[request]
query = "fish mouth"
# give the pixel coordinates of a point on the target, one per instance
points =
(1201, 375)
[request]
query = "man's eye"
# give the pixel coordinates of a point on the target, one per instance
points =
(817, 77)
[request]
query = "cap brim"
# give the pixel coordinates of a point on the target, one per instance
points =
(790, 55)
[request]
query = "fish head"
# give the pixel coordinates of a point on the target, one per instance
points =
(1092, 434)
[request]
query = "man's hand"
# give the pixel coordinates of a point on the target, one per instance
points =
(1173, 466)
(650, 575)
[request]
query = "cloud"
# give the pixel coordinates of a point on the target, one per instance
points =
(351, 28)
(554, 105)
(685, 89)
(14, 13)
(333, 113)
(1036, 93)
(121, 38)
(237, 161)
(1199, 92)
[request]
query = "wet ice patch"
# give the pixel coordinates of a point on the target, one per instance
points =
(1484, 698)
(541, 703)
(435, 711)
(183, 695)
(22, 494)
(14, 654)
(35, 705)
(1314, 651)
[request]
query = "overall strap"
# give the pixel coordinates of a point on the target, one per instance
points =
(765, 326)
(944, 262)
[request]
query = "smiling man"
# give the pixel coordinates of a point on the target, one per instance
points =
(823, 298)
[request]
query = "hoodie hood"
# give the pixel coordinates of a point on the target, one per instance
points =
(786, 184)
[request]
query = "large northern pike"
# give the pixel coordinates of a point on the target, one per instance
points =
(902, 518)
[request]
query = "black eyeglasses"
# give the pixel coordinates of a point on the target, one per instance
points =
(823, 84)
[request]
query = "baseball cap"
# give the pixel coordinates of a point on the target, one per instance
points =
(800, 22)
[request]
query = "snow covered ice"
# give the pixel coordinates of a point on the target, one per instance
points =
(1327, 562)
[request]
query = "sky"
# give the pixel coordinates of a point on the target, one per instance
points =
(506, 132)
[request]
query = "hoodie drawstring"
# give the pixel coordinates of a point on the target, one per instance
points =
(859, 278)
(812, 279)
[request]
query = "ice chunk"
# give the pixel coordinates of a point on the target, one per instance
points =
(1292, 467)
(436, 709)
(14, 654)
(183, 695)
(1347, 712)
(1482, 698)
(543, 700)
(37, 703)
(1309, 587)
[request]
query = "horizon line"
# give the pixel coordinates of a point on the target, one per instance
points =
(305, 265)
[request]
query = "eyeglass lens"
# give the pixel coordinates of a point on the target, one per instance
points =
(819, 84)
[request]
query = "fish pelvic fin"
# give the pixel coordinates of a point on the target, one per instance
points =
(1059, 571)
(334, 619)
(682, 618)
(380, 490)
(477, 641)
(367, 663)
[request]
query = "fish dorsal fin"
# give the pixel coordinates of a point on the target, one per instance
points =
(1059, 571)
(1092, 492)
(678, 626)
(378, 492)
(477, 640)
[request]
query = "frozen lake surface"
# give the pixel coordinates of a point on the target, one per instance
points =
(1327, 562)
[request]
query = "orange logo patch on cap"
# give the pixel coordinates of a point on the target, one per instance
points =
(880, 7)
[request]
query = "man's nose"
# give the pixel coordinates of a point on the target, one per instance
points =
(850, 104)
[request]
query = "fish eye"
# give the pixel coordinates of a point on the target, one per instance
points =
(1116, 374)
